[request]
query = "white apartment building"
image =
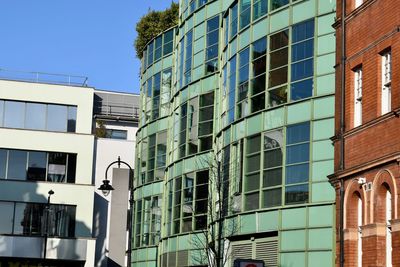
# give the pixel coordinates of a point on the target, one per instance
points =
(116, 121)
(46, 145)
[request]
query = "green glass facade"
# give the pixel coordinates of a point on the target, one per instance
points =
(240, 94)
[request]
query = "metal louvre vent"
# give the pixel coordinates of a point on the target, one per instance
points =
(182, 258)
(172, 259)
(268, 252)
(164, 258)
(242, 251)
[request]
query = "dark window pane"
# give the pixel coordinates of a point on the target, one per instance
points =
(278, 76)
(57, 167)
(37, 166)
(167, 48)
(273, 158)
(211, 66)
(57, 118)
(272, 198)
(14, 114)
(277, 96)
(71, 127)
(200, 222)
(297, 173)
(253, 163)
(252, 182)
(298, 133)
(279, 40)
(71, 168)
(6, 218)
(35, 116)
(296, 194)
(260, 8)
(259, 66)
(302, 69)
(259, 48)
(297, 153)
(279, 58)
(205, 128)
(206, 113)
(253, 144)
(202, 191)
(212, 51)
(213, 24)
(258, 85)
(17, 164)
(3, 163)
(207, 100)
(258, 103)
(205, 143)
(245, 13)
(252, 201)
(300, 90)
(272, 177)
(28, 219)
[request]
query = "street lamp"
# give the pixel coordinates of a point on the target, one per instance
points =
(106, 188)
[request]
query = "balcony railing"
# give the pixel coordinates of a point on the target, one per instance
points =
(42, 77)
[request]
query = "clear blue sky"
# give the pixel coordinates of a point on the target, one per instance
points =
(92, 38)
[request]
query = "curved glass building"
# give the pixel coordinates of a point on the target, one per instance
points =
(237, 106)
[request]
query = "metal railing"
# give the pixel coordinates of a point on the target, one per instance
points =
(43, 77)
(116, 109)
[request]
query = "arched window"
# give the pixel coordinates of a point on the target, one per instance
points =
(388, 229)
(359, 232)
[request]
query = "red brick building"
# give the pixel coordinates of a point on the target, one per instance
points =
(367, 140)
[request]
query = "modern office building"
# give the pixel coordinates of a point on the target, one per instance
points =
(116, 117)
(46, 164)
(237, 108)
(367, 147)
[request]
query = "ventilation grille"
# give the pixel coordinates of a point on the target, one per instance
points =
(268, 252)
(182, 258)
(242, 251)
(172, 259)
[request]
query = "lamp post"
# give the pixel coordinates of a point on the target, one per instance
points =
(106, 188)
(46, 234)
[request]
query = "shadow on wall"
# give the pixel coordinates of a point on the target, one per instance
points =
(100, 230)
(28, 227)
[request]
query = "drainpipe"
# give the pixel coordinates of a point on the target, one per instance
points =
(342, 128)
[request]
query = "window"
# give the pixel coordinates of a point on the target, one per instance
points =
(243, 83)
(30, 219)
(116, 134)
(258, 82)
(260, 8)
(297, 163)
(226, 30)
(212, 45)
(168, 42)
(188, 58)
(232, 91)
(37, 166)
(386, 82)
(302, 69)
(245, 10)
(158, 48)
(252, 173)
(37, 116)
(278, 68)
(358, 3)
(357, 97)
(155, 108)
(278, 3)
(233, 21)
(150, 54)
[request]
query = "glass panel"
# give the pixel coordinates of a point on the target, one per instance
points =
(205, 143)
(272, 177)
(1, 112)
(302, 50)
(14, 114)
(244, 13)
(277, 96)
(57, 167)
(298, 133)
(259, 48)
(258, 85)
(273, 158)
(296, 194)
(28, 219)
(252, 201)
(278, 76)
(71, 168)
(200, 222)
(303, 31)
(253, 144)
(17, 164)
(35, 116)
(253, 163)
(260, 8)
(205, 128)
(297, 174)
(258, 103)
(37, 166)
(272, 198)
(3, 163)
(57, 118)
(297, 153)
(278, 3)
(71, 119)
(279, 40)
(279, 58)
(302, 69)
(61, 220)
(6, 218)
(259, 66)
(300, 90)
(252, 182)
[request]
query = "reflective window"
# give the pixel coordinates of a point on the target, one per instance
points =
(258, 82)
(212, 45)
(150, 53)
(71, 125)
(6, 218)
(278, 3)
(260, 8)
(233, 20)
(30, 219)
(17, 164)
(188, 58)
(116, 134)
(14, 114)
(245, 11)
(243, 83)
(57, 167)
(35, 116)
(57, 118)
(3, 163)
(168, 42)
(232, 91)
(158, 48)
(37, 166)
(1, 112)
